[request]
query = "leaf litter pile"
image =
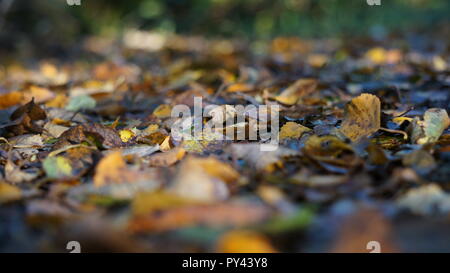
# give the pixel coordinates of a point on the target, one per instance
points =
(86, 151)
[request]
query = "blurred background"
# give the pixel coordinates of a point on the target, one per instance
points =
(53, 23)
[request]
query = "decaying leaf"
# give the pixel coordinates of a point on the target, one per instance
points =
(15, 174)
(362, 117)
(23, 119)
(102, 136)
(435, 121)
(57, 167)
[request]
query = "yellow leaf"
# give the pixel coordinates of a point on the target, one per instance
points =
(165, 145)
(239, 87)
(110, 169)
(57, 167)
(10, 99)
(151, 129)
(163, 111)
(242, 241)
(9, 193)
(292, 130)
(377, 55)
(49, 70)
(59, 101)
(362, 117)
(39, 94)
(147, 202)
(126, 135)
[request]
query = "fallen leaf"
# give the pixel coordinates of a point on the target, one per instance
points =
(81, 102)
(377, 55)
(126, 135)
(148, 202)
(39, 94)
(435, 121)
(139, 150)
(360, 228)
(244, 241)
(23, 119)
(167, 159)
(203, 179)
(163, 111)
(292, 130)
(57, 167)
(214, 215)
(261, 160)
(112, 169)
(420, 160)
(9, 193)
(59, 101)
(104, 137)
(425, 200)
(362, 117)
(165, 145)
(10, 99)
(329, 146)
(298, 90)
(15, 175)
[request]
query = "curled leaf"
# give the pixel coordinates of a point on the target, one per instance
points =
(435, 121)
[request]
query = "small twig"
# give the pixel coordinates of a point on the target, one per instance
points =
(405, 135)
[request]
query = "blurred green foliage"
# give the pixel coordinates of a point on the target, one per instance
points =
(262, 18)
(55, 20)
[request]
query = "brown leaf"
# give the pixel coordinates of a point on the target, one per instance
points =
(261, 160)
(23, 120)
(298, 90)
(361, 228)
(103, 135)
(217, 215)
(168, 158)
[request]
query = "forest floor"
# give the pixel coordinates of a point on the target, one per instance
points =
(91, 150)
